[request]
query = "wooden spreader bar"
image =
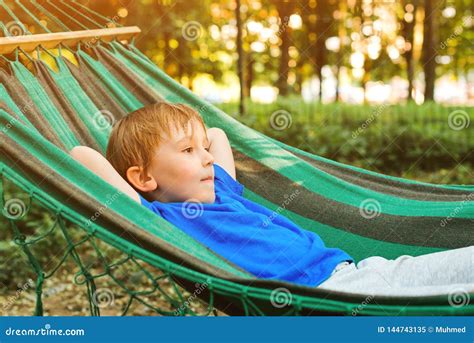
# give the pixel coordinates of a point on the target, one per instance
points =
(70, 39)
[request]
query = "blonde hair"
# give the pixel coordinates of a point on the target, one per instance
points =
(134, 137)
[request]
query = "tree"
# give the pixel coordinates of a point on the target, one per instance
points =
(341, 34)
(430, 40)
(322, 29)
(408, 29)
(284, 8)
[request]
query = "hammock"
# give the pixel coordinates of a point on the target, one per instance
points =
(72, 97)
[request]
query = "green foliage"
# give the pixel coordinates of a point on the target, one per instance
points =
(389, 139)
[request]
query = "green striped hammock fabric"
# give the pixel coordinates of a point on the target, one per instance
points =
(46, 113)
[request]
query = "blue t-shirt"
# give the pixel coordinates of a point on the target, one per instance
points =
(262, 242)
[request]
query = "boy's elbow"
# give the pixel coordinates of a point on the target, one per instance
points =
(77, 151)
(82, 153)
(216, 132)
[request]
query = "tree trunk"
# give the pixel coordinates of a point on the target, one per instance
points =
(323, 22)
(338, 82)
(408, 30)
(248, 75)
(410, 74)
(366, 77)
(342, 50)
(240, 61)
(284, 8)
(299, 79)
(429, 47)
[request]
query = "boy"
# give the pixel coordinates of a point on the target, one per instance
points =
(163, 157)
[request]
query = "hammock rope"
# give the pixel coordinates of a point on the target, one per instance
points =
(85, 274)
(36, 20)
(50, 16)
(68, 16)
(14, 17)
(87, 9)
(82, 15)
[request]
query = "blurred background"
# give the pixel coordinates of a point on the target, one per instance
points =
(381, 84)
(352, 51)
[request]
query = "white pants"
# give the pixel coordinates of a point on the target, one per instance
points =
(446, 272)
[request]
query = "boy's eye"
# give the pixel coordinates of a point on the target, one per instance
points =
(190, 149)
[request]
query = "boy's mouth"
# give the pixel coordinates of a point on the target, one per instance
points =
(209, 178)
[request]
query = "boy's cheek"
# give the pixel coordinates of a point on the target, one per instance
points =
(187, 170)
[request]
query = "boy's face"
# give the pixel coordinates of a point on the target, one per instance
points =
(183, 167)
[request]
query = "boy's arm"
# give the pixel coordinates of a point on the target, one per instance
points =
(98, 164)
(221, 151)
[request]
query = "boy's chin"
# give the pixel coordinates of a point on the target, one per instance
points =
(209, 199)
(202, 198)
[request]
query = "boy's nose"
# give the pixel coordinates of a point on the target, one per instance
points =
(208, 158)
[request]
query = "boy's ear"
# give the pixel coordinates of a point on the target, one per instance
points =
(144, 182)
